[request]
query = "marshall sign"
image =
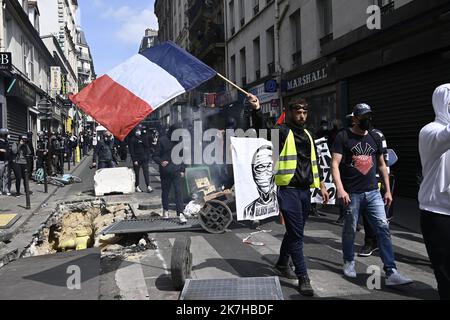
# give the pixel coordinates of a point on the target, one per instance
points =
(5, 61)
(307, 79)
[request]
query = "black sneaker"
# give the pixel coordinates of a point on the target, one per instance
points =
(367, 251)
(286, 271)
(304, 287)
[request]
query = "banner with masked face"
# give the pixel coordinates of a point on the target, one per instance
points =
(253, 165)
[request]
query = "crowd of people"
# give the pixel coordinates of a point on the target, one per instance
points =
(21, 158)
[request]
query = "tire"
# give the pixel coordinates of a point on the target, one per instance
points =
(181, 262)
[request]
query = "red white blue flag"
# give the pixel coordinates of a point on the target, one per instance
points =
(122, 98)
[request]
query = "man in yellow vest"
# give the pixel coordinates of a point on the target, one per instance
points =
(297, 171)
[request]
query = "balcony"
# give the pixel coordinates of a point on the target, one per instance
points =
(201, 10)
(84, 56)
(84, 71)
(204, 43)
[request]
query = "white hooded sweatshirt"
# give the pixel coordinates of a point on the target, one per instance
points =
(434, 148)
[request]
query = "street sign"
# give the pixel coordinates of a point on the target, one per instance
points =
(271, 86)
(5, 61)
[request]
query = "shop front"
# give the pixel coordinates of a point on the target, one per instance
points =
(19, 97)
(315, 82)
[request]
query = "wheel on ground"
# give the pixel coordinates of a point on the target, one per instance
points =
(215, 217)
(181, 262)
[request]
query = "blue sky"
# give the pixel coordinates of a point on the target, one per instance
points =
(114, 29)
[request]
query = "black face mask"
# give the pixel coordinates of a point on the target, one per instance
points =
(365, 124)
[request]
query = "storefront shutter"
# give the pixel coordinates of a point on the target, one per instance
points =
(17, 119)
(401, 97)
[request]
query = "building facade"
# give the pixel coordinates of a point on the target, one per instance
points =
(149, 40)
(27, 81)
(327, 52)
(59, 18)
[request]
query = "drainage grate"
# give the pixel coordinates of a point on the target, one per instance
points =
(267, 288)
(152, 225)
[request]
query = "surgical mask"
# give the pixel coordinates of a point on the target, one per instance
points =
(365, 124)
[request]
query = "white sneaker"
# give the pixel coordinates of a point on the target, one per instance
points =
(187, 215)
(397, 279)
(183, 219)
(138, 189)
(349, 269)
(149, 189)
(8, 194)
(166, 214)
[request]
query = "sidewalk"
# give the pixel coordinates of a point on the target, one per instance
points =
(38, 199)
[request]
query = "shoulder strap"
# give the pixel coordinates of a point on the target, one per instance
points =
(376, 137)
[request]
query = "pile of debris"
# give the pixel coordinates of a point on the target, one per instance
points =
(78, 226)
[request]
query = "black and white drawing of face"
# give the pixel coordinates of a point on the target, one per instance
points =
(262, 168)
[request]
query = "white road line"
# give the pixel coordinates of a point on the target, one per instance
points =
(207, 262)
(131, 281)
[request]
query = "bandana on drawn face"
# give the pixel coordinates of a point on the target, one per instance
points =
(262, 167)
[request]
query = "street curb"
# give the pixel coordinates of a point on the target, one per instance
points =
(8, 235)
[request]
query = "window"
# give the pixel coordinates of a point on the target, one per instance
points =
(232, 20)
(242, 12)
(270, 36)
(31, 63)
(243, 67)
(257, 58)
(326, 17)
(255, 7)
(296, 31)
(233, 68)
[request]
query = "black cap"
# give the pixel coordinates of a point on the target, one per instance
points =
(361, 109)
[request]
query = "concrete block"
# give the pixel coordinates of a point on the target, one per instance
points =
(115, 180)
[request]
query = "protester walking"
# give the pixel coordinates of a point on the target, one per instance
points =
(356, 156)
(434, 194)
(295, 180)
(19, 155)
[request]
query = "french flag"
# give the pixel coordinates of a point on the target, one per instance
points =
(122, 98)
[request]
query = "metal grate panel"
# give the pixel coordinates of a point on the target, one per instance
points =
(267, 288)
(152, 225)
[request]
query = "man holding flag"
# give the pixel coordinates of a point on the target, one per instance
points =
(297, 172)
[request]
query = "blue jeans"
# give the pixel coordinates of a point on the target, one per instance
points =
(295, 205)
(370, 204)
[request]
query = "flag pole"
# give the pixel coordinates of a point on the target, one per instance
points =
(232, 84)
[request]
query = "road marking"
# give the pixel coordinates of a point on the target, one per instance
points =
(131, 281)
(325, 283)
(207, 262)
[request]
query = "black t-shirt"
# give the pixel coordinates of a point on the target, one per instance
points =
(4, 155)
(358, 167)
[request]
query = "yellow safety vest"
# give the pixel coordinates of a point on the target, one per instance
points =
(287, 164)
